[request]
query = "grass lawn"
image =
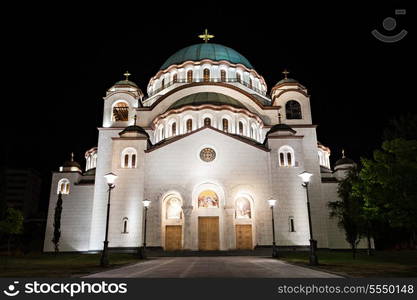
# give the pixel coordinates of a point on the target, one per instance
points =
(59, 265)
(401, 263)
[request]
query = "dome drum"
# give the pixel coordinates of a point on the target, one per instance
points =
(197, 64)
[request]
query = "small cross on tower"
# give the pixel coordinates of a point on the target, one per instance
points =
(127, 74)
(285, 72)
(206, 36)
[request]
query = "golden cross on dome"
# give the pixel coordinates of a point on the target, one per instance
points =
(285, 72)
(127, 74)
(206, 36)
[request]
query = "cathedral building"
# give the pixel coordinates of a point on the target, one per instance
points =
(208, 147)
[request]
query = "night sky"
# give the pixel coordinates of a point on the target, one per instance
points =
(59, 62)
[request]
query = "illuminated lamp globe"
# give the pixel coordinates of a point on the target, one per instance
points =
(305, 177)
(110, 178)
(272, 202)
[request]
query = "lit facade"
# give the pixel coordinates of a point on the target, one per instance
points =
(208, 147)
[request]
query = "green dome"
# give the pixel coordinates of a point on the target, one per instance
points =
(287, 80)
(206, 51)
(126, 82)
(206, 98)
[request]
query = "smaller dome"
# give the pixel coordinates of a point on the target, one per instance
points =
(70, 165)
(126, 82)
(134, 129)
(344, 161)
(287, 80)
(280, 127)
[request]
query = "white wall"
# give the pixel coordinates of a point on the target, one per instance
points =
(75, 217)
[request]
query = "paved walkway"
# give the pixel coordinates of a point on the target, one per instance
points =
(226, 267)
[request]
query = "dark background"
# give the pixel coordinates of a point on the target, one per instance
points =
(59, 62)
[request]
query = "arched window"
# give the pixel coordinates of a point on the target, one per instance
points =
(88, 163)
(94, 161)
(189, 125)
(241, 127)
(291, 224)
(206, 75)
(243, 210)
(125, 227)
(129, 158)
(253, 131)
(286, 156)
(289, 159)
(321, 158)
(174, 129)
(163, 83)
(281, 159)
(175, 78)
(250, 83)
(190, 76)
(223, 76)
(126, 162)
(63, 186)
(173, 209)
(225, 125)
(238, 77)
(293, 110)
(160, 132)
(120, 111)
(207, 122)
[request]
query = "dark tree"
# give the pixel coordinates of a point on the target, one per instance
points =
(349, 211)
(57, 222)
(403, 127)
(11, 225)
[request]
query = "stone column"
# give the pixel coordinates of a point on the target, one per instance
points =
(188, 242)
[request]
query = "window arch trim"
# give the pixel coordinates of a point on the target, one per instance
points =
(129, 159)
(286, 157)
(63, 186)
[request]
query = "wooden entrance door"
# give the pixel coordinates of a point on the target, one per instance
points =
(208, 233)
(173, 235)
(244, 236)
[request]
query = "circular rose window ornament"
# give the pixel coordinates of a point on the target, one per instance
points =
(207, 154)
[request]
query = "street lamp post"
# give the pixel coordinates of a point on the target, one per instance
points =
(104, 261)
(305, 177)
(142, 249)
(274, 246)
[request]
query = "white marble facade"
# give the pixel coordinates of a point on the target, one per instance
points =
(181, 154)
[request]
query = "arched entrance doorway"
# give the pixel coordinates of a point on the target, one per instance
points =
(208, 226)
(208, 217)
(172, 222)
